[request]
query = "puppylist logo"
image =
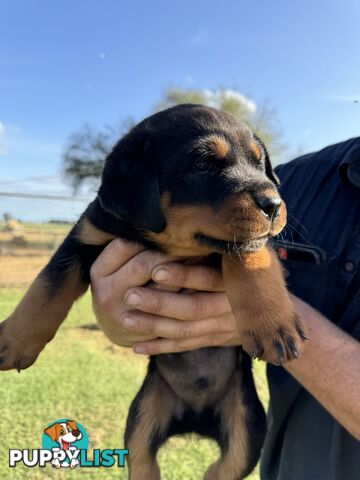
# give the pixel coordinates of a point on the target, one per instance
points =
(65, 445)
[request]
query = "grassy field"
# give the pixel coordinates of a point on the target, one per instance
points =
(82, 376)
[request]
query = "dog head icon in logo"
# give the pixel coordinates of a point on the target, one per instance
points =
(67, 436)
(64, 433)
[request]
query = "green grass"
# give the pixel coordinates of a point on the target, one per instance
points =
(82, 376)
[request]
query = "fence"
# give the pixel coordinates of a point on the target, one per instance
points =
(27, 245)
(25, 249)
(31, 239)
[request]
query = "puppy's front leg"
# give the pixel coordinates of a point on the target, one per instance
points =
(47, 302)
(267, 322)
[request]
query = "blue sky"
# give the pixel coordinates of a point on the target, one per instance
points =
(74, 61)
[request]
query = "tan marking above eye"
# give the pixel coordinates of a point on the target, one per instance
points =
(254, 147)
(219, 146)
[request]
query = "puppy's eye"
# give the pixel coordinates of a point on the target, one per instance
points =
(202, 164)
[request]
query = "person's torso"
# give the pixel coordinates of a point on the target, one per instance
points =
(320, 250)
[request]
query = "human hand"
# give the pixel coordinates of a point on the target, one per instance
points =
(121, 266)
(165, 321)
(199, 316)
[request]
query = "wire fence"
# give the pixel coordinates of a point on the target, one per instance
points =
(30, 239)
(26, 240)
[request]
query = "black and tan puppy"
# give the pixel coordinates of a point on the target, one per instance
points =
(188, 181)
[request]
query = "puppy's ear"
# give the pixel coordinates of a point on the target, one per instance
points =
(72, 424)
(130, 185)
(268, 167)
(52, 432)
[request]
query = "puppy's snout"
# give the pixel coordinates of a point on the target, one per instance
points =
(269, 205)
(76, 433)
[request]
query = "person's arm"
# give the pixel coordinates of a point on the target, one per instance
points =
(329, 368)
(166, 322)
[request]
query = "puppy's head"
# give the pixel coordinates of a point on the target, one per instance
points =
(194, 180)
(64, 433)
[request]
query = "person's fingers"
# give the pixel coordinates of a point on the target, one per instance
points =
(138, 322)
(137, 271)
(158, 286)
(197, 277)
(187, 306)
(113, 257)
(164, 345)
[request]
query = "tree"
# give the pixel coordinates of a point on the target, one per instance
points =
(261, 119)
(87, 149)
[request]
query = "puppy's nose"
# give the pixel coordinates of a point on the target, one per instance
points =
(269, 205)
(76, 433)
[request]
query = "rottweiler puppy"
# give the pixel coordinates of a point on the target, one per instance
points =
(189, 181)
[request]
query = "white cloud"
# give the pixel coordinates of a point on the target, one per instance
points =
(214, 98)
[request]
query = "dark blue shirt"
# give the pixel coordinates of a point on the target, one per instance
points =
(321, 254)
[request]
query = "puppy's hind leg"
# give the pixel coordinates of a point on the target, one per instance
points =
(147, 426)
(45, 305)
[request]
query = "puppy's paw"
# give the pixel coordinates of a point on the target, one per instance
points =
(56, 463)
(275, 342)
(18, 350)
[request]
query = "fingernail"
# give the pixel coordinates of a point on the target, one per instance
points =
(161, 275)
(133, 299)
(140, 349)
(129, 322)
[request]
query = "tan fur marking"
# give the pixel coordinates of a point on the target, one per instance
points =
(258, 260)
(91, 235)
(254, 147)
(219, 147)
(155, 411)
(232, 465)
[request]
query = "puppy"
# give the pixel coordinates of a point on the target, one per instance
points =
(190, 181)
(64, 433)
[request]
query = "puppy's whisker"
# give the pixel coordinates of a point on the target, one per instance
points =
(299, 223)
(281, 235)
(293, 229)
(236, 247)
